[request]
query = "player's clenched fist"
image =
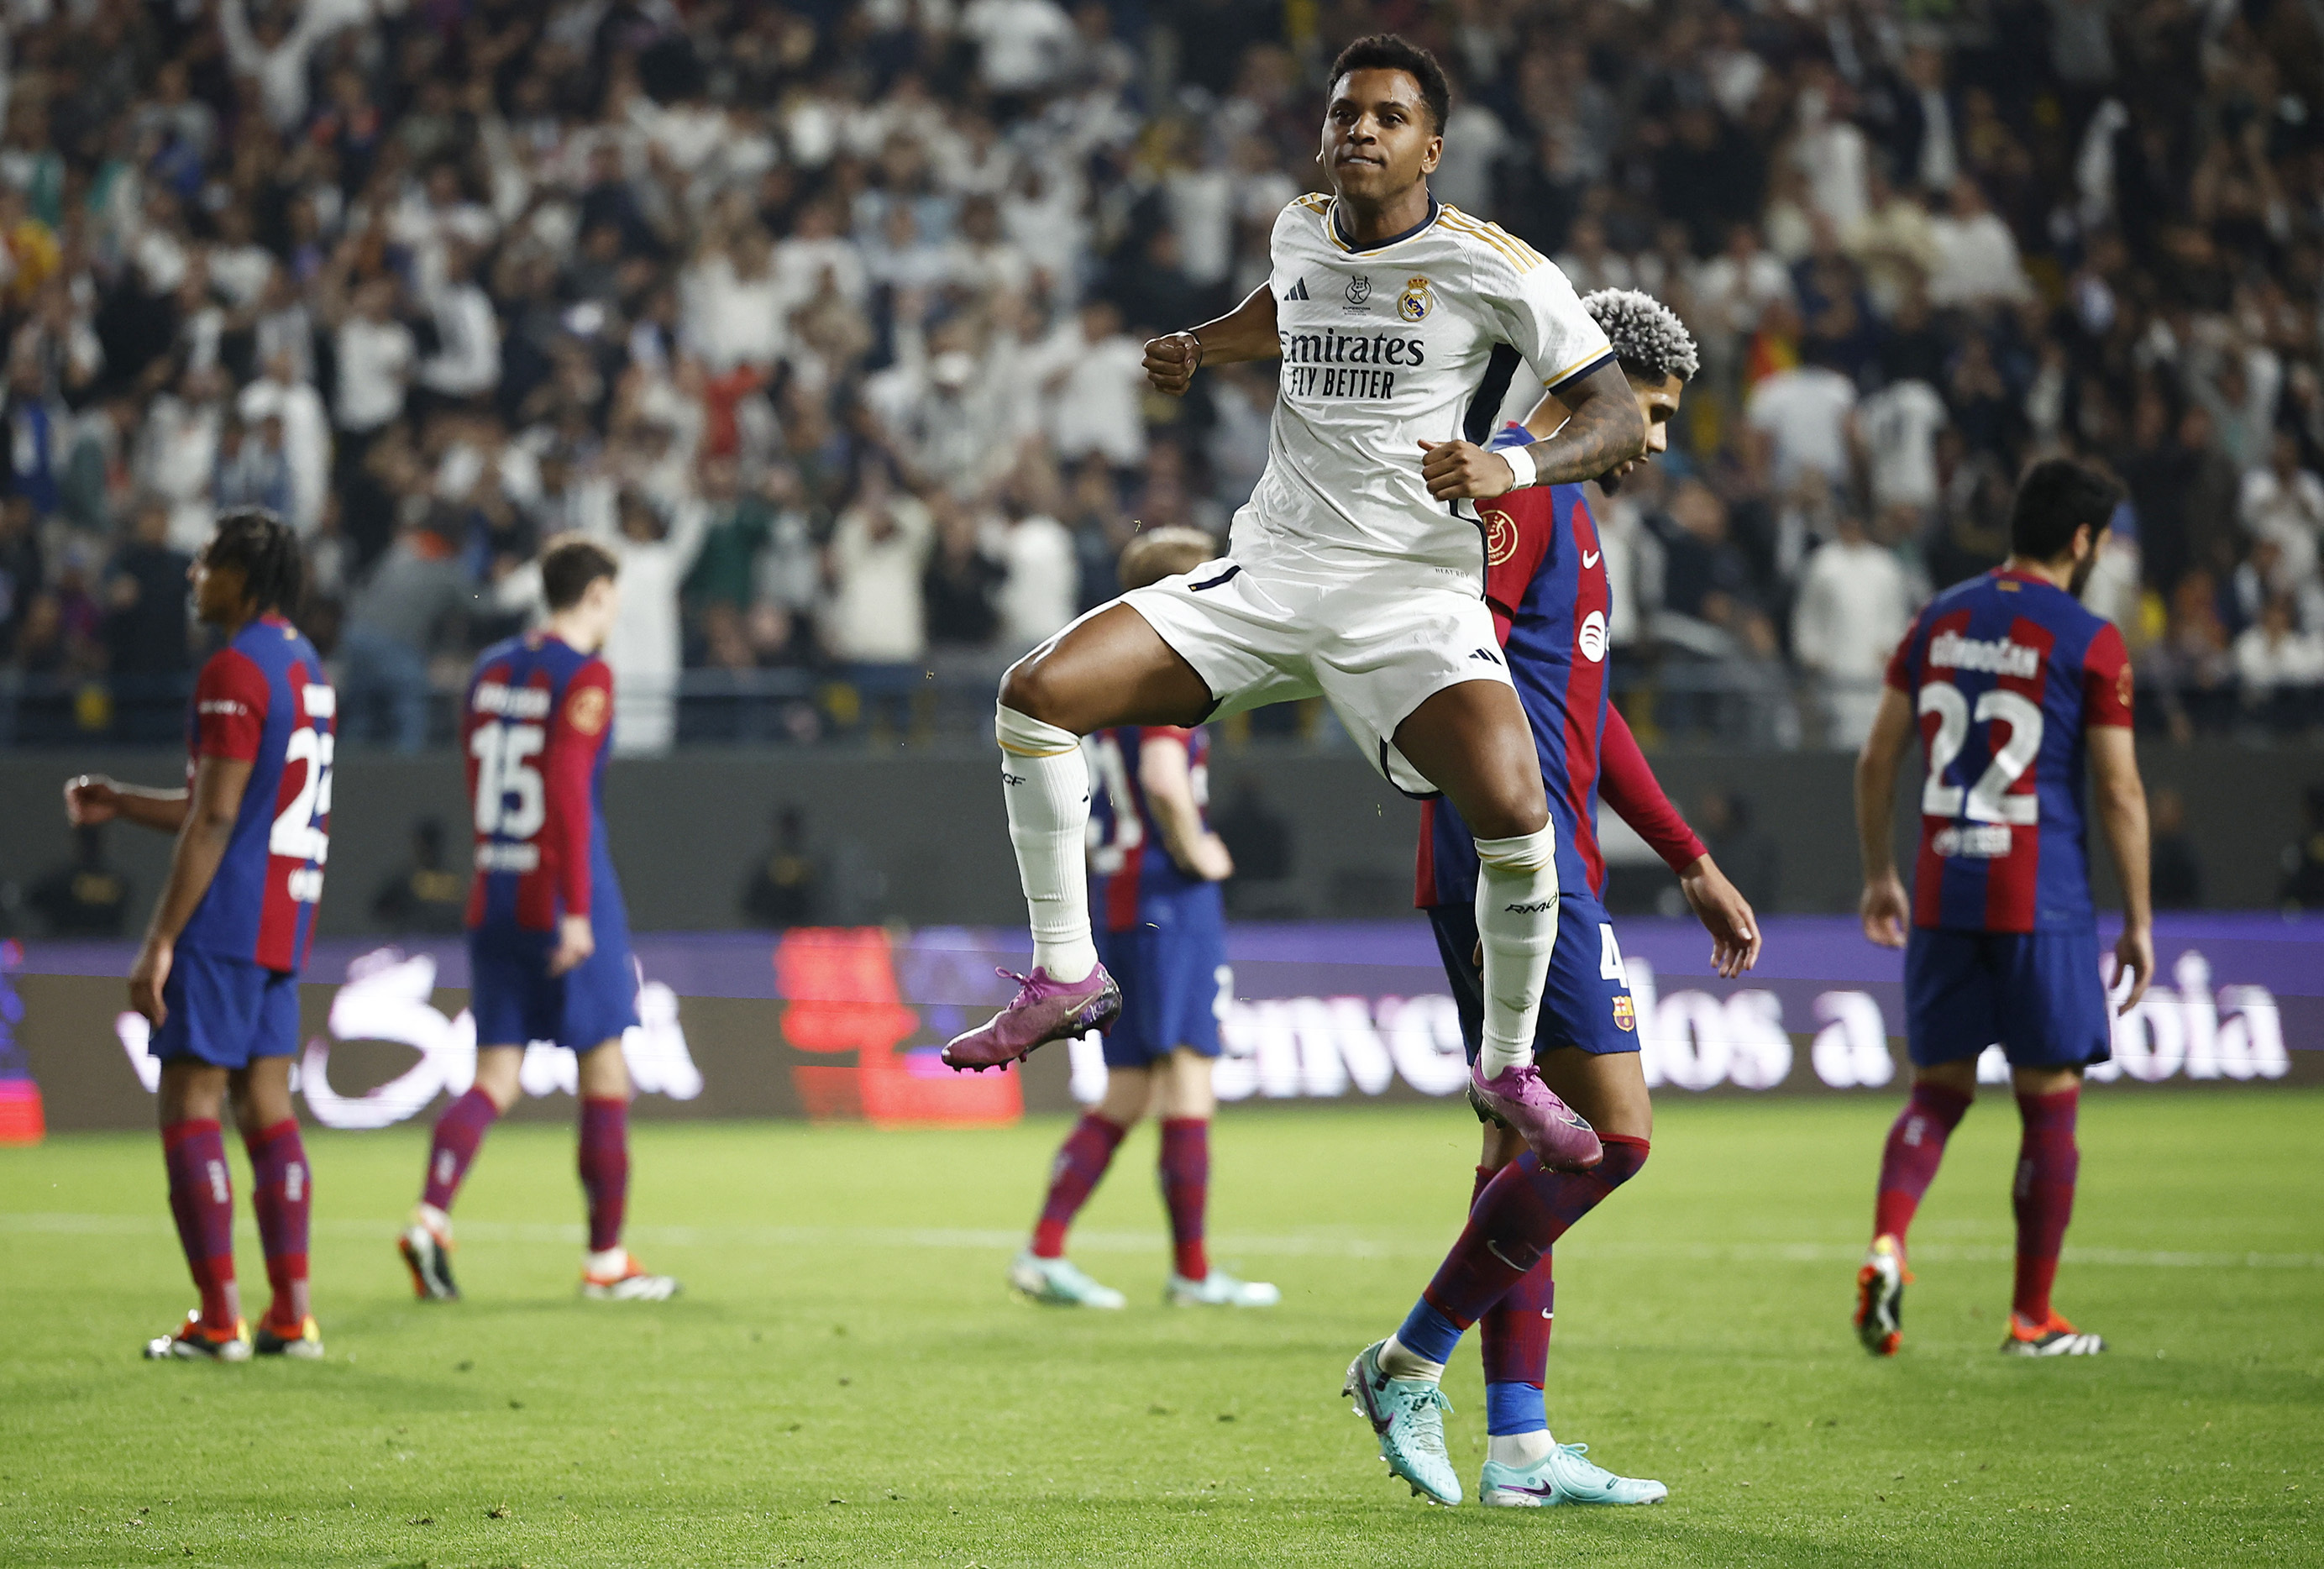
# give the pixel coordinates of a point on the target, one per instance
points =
(90, 798)
(1171, 361)
(1456, 470)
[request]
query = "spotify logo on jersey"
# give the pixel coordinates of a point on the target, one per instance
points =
(1592, 636)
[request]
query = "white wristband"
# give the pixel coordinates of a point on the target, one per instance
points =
(1521, 468)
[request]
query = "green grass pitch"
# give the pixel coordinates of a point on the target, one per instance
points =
(846, 1380)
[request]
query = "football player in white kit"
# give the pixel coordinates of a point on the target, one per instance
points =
(1356, 571)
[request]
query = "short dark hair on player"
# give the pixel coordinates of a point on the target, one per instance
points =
(2057, 496)
(1163, 552)
(1648, 336)
(568, 565)
(1391, 52)
(263, 547)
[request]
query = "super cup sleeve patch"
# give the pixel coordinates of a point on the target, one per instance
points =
(585, 710)
(2122, 686)
(1500, 535)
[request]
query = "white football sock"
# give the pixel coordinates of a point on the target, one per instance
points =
(1045, 781)
(1399, 1363)
(1520, 1450)
(614, 1260)
(1517, 925)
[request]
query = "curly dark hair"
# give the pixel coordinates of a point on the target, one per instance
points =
(265, 550)
(1646, 335)
(1391, 52)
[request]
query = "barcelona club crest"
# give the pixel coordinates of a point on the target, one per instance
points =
(1414, 303)
(1626, 1015)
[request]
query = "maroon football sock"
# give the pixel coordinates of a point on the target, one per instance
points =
(282, 1192)
(1512, 1335)
(605, 1167)
(459, 1131)
(1081, 1160)
(1186, 1191)
(1916, 1143)
(2048, 1160)
(202, 1199)
(1522, 1211)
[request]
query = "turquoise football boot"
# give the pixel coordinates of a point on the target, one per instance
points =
(1561, 1477)
(1407, 1417)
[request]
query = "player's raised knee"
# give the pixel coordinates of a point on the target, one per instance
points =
(1511, 808)
(1030, 689)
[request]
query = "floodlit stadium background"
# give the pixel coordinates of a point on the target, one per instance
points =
(828, 317)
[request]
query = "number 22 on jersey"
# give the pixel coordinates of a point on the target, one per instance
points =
(301, 829)
(1992, 798)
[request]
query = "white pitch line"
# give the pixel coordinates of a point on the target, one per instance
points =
(1313, 1245)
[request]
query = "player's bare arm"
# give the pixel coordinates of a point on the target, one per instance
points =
(1604, 430)
(91, 799)
(1169, 783)
(575, 941)
(209, 819)
(1724, 913)
(2121, 799)
(1245, 333)
(1884, 907)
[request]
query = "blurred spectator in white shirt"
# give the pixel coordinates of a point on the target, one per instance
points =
(1095, 376)
(177, 454)
(1899, 425)
(733, 304)
(878, 552)
(644, 647)
(1043, 581)
(2283, 502)
(1853, 606)
(1976, 260)
(375, 358)
(1022, 45)
(1808, 415)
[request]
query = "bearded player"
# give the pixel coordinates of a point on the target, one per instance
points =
(548, 940)
(1547, 586)
(2017, 693)
(1155, 867)
(1357, 570)
(217, 976)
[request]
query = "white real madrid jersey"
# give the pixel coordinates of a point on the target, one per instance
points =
(1382, 348)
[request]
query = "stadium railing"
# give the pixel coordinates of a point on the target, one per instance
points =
(1670, 696)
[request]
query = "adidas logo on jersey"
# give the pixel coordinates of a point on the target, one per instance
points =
(1487, 655)
(1298, 291)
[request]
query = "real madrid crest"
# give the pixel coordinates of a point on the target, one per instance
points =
(1415, 302)
(1500, 535)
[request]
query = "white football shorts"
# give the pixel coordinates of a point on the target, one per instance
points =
(1373, 648)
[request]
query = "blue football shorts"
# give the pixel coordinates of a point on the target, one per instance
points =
(1585, 999)
(2041, 995)
(516, 1000)
(1171, 967)
(227, 1012)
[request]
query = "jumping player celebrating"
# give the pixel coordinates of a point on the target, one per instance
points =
(1546, 582)
(217, 976)
(1356, 571)
(1154, 869)
(548, 942)
(2016, 689)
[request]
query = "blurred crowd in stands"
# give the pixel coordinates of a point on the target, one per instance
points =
(828, 318)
